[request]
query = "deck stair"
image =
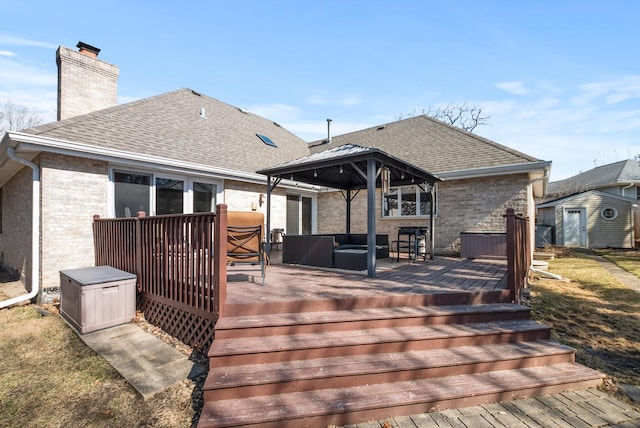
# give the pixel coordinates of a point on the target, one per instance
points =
(285, 368)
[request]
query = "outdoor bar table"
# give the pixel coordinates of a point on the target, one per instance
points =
(408, 239)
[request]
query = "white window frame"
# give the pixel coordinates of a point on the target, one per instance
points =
(187, 204)
(615, 213)
(418, 191)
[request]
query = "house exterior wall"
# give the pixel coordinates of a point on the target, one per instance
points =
(16, 235)
(240, 196)
(473, 205)
(602, 233)
(73, 190)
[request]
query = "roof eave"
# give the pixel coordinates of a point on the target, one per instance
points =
(29, 146)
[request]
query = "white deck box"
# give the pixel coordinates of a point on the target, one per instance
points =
(98, 297)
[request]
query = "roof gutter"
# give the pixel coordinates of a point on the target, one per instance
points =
(497, 170)
(35, 228)
(123, 158)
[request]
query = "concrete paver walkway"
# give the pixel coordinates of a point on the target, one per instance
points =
(146, 362)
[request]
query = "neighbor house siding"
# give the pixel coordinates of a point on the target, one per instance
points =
(73, 191)
(462, 206)
(608, 233)
(16, 236)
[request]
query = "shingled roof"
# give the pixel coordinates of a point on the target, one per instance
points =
(432, 145)
(182, 125)
(613, 174)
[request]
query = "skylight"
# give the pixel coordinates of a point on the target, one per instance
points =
(266, 140)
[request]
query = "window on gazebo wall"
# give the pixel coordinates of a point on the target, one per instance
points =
(407, 201)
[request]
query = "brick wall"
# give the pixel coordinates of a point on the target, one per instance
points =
(15, 239)
(85, 84)
(462, 205)
(241, 196)
(73, 190)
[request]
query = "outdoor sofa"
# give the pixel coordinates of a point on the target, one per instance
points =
(340, 250)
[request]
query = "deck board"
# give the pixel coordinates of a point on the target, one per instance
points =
(305, 283)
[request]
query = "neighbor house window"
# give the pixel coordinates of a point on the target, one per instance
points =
(609, 213)
(408, 201)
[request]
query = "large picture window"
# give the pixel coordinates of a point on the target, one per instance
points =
(158, 195)
(408, 201)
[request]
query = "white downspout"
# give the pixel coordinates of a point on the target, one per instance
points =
(35, 227)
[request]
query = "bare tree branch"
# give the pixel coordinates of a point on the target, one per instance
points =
(14, 117)
(460, 115)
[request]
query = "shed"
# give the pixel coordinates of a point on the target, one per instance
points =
(591, 219)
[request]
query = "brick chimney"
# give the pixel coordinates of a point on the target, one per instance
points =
(85, 83)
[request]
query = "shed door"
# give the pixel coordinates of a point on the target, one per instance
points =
(575, 227)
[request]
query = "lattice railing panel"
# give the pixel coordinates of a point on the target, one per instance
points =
(194, 328)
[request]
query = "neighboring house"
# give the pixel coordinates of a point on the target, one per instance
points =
(596, 208)
(481, 180)
(184, 152)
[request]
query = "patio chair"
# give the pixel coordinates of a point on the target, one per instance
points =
(245, 239)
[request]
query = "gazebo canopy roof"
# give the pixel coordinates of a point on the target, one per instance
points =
(345, 167)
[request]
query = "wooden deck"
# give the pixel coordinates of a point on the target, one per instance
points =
(314, 347)
(444, 280)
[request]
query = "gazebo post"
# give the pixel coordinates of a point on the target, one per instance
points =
(348, 219)
(371, 218)
(268, 231)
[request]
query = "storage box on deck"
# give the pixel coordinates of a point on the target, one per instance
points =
(98, 297)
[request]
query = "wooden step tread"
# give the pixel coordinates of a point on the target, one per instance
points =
(273, 344)
(343, 367)
(392, 399)
(328, 317)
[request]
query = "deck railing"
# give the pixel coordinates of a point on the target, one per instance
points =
(180, 262)
(518, 253)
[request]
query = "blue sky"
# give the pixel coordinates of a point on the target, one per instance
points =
(559, 79)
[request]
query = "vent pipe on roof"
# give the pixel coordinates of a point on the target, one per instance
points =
(328, 131)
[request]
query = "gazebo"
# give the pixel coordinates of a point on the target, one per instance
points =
(351, 168)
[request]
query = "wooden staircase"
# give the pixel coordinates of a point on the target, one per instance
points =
(353, 360)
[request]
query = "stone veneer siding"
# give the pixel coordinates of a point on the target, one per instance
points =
(472, 205)
(15, 239)
(73, 190)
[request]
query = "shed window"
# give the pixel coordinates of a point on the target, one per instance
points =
(409, 201)
(609, 213)
(266, 140)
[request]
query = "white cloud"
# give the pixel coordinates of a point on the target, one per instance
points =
(276, 112)
(6, 39)
(7, 53)
(347, 101)
(515, 88)
(577, 127)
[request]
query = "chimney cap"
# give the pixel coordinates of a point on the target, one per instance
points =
(84, 47)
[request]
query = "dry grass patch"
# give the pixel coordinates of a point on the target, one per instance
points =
(49, 377)
(594, 313)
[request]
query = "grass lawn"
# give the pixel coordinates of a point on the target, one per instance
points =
(50, 378)
(593, 312)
